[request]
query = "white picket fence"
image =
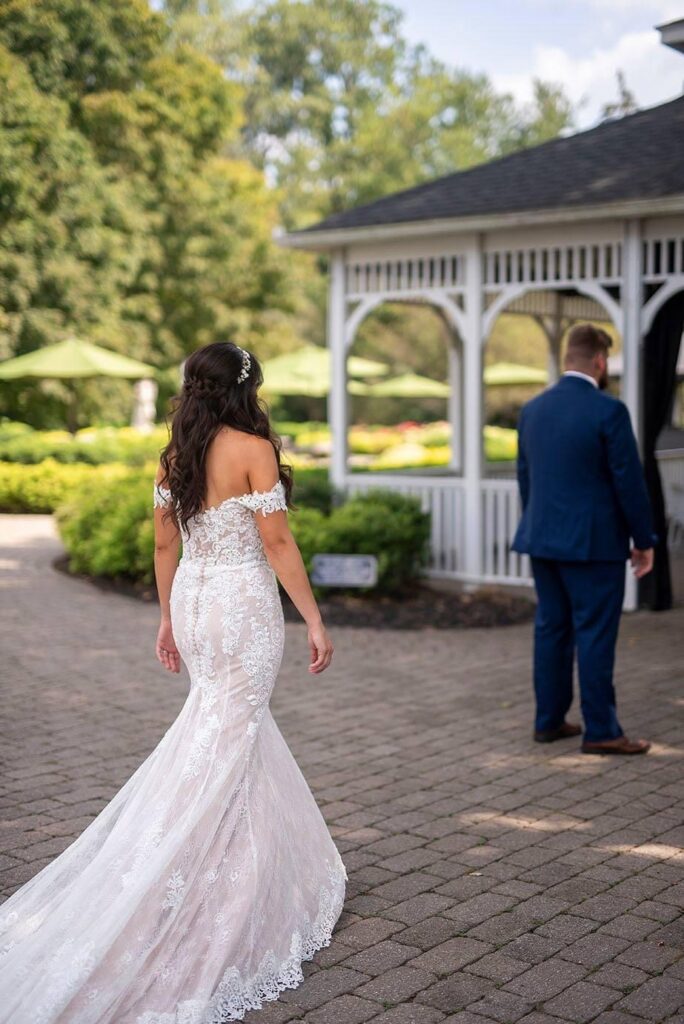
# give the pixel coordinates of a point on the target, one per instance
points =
(444, 499)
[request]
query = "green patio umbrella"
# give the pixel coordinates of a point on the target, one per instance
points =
(71, 360)
(307, 372)
(74, 358)
(408, 385)
(512, 374)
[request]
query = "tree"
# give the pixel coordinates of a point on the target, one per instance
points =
(125, 218)
(340, 109)
(624, 104)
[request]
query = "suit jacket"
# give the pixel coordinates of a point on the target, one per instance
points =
(581, 482)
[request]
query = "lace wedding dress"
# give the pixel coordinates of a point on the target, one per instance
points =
(198, 891)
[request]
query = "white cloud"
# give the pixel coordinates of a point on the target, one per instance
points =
(653, 72)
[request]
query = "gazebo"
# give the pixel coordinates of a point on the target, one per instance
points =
(589, 226)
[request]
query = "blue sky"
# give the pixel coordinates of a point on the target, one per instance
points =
(578, 43)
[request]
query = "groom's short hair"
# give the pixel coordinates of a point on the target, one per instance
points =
(585, 341)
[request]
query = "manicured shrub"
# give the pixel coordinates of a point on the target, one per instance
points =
(43, 487)
(106, 526)
(108, 530)
(93, 445)
(390, 526)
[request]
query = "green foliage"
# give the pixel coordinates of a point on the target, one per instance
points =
(312, 490)
(125, 218)
(105, 522)
(19, 443)
(341, 109)
(43, 487)
(108, 530)
(382, 523)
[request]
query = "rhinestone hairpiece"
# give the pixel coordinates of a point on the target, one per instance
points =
(246, 365)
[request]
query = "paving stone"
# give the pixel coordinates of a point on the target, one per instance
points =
(343, 1010)
(429, 933)
(381, 957)
(455, 993)
(323, 987)
(396, 985)
(619, 977)
(629, 926)
(581, 1002)
(451, 955)
(411, 1013)
(649, 956)
(595, 949)
(545, 980)
(367, 933)
(428, 904)
(472, 853)
(502, 1006)
(498, 967)
(656, 999)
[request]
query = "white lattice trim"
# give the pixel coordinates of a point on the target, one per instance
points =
(266, 501)
(162, 496)
(236, 995)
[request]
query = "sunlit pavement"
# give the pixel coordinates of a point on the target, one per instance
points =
(491, 878)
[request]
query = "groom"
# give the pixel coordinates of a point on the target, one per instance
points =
(583, 497)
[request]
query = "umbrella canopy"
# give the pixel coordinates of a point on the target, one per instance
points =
(307, 372)
(408, 385)
(74, 358)
(512, 374)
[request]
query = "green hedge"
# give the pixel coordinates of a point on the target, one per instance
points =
(107, 530)
(43, 487)
(95, 446)
(382, 523)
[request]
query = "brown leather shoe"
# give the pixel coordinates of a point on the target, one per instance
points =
(561, 733)
(621, 745)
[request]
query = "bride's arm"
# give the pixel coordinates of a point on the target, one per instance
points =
(166, 547)
(285, 558)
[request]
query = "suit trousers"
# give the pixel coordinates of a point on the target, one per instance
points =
(578, 609)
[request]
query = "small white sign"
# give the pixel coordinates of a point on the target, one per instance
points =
(344, 571)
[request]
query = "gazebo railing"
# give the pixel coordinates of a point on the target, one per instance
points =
(444, 499)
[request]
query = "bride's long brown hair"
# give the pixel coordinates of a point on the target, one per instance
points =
(219, 389)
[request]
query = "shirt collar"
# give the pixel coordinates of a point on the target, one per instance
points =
(584, 376)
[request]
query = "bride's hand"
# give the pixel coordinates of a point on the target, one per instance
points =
(321, 648)
(167, 652)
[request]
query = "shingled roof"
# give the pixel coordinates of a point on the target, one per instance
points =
(637, 157)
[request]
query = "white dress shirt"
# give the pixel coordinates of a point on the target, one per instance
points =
(584, 376)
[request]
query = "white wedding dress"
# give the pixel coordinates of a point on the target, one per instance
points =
(198, 891)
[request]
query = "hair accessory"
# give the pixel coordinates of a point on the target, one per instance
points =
(246, 365)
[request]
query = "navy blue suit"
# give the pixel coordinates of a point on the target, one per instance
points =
(584, 496)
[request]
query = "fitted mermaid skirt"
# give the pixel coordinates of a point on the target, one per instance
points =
(198, 891)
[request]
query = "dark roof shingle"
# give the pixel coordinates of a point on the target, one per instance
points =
(640, 156)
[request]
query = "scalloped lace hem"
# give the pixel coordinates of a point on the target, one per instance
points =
(234, 996)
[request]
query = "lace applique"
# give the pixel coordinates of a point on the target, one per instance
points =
(266, 501)
(162, 496)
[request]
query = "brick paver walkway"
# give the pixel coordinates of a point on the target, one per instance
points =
(491, 879)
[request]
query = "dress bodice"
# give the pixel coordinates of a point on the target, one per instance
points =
(226, 534)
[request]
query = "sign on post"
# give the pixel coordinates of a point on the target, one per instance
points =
(344, 571)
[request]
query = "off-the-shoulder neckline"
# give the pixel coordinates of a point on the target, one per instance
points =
(239, 497)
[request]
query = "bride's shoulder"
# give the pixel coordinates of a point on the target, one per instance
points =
(231, 444)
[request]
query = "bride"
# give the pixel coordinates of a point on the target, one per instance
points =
(197, 892)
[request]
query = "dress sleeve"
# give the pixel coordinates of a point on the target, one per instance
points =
(266, 501)
(162, 496)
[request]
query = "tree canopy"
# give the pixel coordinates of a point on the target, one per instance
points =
(147, 153)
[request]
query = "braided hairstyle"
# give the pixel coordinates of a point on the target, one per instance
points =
(219, 389)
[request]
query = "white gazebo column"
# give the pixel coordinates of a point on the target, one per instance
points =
(338, 400)
(472, 413)
(631, 350)
(455, 406)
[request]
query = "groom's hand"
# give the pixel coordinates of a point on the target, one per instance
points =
(642, 562)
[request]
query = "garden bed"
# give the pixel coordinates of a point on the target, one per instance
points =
(424, 608)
